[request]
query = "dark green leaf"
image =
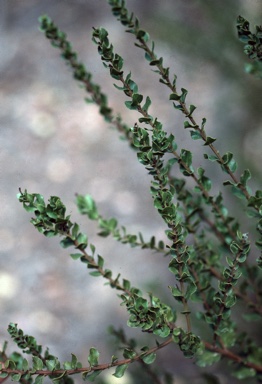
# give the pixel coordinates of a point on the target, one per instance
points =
(191, 110)
(146, 120)
(66, 242)
(195, 135)
(183, 95)
(133, 86)
(91, 376)
(174, 96)
(129, 353)
(147, 104)
(238, 192)
(120, 370)
(209, 140)
(149, 359)
(245, 177)
(188, 125)
(143, 35)
(93, 357)
(211, 157)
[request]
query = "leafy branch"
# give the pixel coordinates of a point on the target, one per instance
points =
(87, 206)
(210, 266)
(20, 370)
(59, 40)
(253, 45)
(160, 142)
(228, 164)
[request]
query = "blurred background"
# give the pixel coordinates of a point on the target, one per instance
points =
(53, 143)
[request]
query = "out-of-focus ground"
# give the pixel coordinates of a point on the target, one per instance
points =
(52, 143)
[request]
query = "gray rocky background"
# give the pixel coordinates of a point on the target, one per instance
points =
(52, 143)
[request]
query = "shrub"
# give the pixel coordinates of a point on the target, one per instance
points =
(210, 252)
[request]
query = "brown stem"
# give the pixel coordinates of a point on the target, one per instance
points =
(192, 120)
(232, 356)
(100, 367)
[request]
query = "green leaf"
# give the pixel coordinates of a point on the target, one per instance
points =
(37, 363)
(244, 373)
(120, 370)
(234, 247)
(132, 85)
(75, 230)
(16, 376)
(143, 35)
(183, 96)
(39, 379)
(76, 256)
(147, 104)
(164, 331)
(245, 177)
(251, 316)
(176, 292)
(67, 365)
(211, 157)
(157, 62)
(149, 359)
(238, 192)
(130, 105)
(195, 135)
(191, 289)
(204, 120)
(52, 363)
(230, 262)
(174, 96)
(209, 140)
(137, 98)
(178, 106)
(126, 284)
(67, 242)
(93, 249)
(25, 365)
(146, 120)
(188, 125)
(208, 358)
(186, 158)
(82, 241)
(230, 300)
(91, 376)
(95, 273)
(57, 379)
(129, 353)
(87, 206)
(93, 357)
(229, 161)
(100, 261)
(191, 110)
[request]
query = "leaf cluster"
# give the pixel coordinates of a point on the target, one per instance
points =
(209, 250)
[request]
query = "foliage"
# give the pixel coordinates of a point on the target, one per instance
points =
(209, 250)
(253, 45)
